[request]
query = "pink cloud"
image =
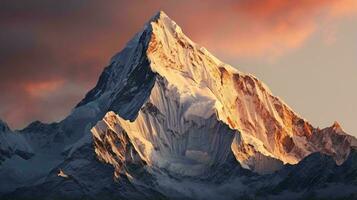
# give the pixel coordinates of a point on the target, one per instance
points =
(270, 28)
(43, 89)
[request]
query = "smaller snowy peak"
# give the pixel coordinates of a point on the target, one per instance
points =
(3, 126)
(34, 125)
(334, 141)
(337, 127)
(13, 143)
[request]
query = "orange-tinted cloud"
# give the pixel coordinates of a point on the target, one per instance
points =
(343, 8)
(43, 89)
(269, 28)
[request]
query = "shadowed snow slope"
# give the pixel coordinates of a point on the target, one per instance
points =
(182, 84)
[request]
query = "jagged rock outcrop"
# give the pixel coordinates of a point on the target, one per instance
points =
(113, 145)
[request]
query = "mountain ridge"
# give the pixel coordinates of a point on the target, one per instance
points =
(170, 121)
(268, 126)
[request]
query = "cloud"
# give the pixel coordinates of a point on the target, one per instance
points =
(266, 29)
(43, 89)
(50, 47)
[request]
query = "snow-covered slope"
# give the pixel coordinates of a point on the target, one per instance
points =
(180, 81)
(14, 150)
(12, 144)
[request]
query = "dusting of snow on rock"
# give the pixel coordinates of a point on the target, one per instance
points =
(62, 174)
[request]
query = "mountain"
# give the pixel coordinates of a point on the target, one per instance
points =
(12, 144)
(315, 177)
(183, 83)
(168, 120)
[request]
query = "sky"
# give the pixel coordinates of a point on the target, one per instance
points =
(52, 52)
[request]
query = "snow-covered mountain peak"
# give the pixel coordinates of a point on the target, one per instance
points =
(165, 22)
(162, 74)
(159, 14)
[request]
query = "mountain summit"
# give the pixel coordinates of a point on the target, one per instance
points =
(167, 76)
(171, 121)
